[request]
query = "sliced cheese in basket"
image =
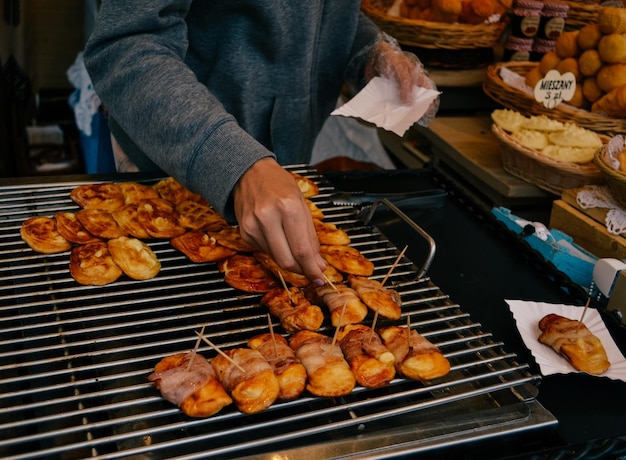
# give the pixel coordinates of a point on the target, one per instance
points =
(578, 155)
(543, 123)
(531, 139)
(576, 136)
(508, 120)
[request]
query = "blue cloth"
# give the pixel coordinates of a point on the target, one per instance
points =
(96, 148)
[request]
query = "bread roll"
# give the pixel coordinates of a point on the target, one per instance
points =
(134, 257)
(591, 90)
(611, 76)
(567, 44)
(613, 103)
(589, 36)
(42, 235)
(612, 20)
(589, 62)
(612, 48)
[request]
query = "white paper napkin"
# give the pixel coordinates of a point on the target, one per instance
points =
(527, 316)
(379, 103)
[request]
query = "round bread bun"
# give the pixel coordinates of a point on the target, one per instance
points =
(569, 64)
(612, 48)
(134, 192)
(100, 223)
(591, 90)
(106, 196)
(549, 61)
(41, 234)
(134, 257)
(589, 63)
(72, 229)
(159, 219)
(92, 264)
(567, 44)
(589, 36)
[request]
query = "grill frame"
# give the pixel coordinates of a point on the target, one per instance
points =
(70, 384)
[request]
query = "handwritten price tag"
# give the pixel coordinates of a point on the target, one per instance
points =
(554, 88)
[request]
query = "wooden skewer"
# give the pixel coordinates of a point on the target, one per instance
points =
(195, 350)
(394, 265)
(221, 352)
(343, 309)
(408, 331)
(329, 282)
(282, 280)
(374, 320)
(269, 321)
(580, 321)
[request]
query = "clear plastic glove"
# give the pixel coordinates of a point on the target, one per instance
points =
(274, 217)
(387, 59)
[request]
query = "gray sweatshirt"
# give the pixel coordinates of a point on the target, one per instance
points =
(202, 89)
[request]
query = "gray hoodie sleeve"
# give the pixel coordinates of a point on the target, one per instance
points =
(135, 58)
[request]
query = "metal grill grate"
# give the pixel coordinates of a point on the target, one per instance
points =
(74, 359)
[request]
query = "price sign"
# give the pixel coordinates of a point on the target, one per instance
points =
(554, 88)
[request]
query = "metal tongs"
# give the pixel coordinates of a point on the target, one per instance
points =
(405, 200)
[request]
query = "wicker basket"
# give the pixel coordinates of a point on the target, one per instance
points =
(433, 35)
(616, 180)
(517, 99)
(580, 14)
(542, 171)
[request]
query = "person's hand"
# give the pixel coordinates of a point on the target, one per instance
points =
(274, 217)
(388, 60)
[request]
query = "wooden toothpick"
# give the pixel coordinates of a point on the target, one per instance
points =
(394, 265)
(269, 321)
(221, 352)
(374, 320)
(408, 331)
(282, 280)
(580, 321)
(343, 309)
(330, 283)
(195, 350)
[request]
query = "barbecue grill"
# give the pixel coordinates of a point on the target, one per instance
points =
(74, 359)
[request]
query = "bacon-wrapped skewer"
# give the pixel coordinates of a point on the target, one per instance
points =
(248, 378)
(194, 388)
(293, 310)
(572, 340)
(415, 356)
(290, 373)
(371, 362)
(378, 298)
(335, 297)
(328, 372)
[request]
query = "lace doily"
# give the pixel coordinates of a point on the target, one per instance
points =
(599, 196)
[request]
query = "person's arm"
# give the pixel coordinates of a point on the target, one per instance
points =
(135, 60)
